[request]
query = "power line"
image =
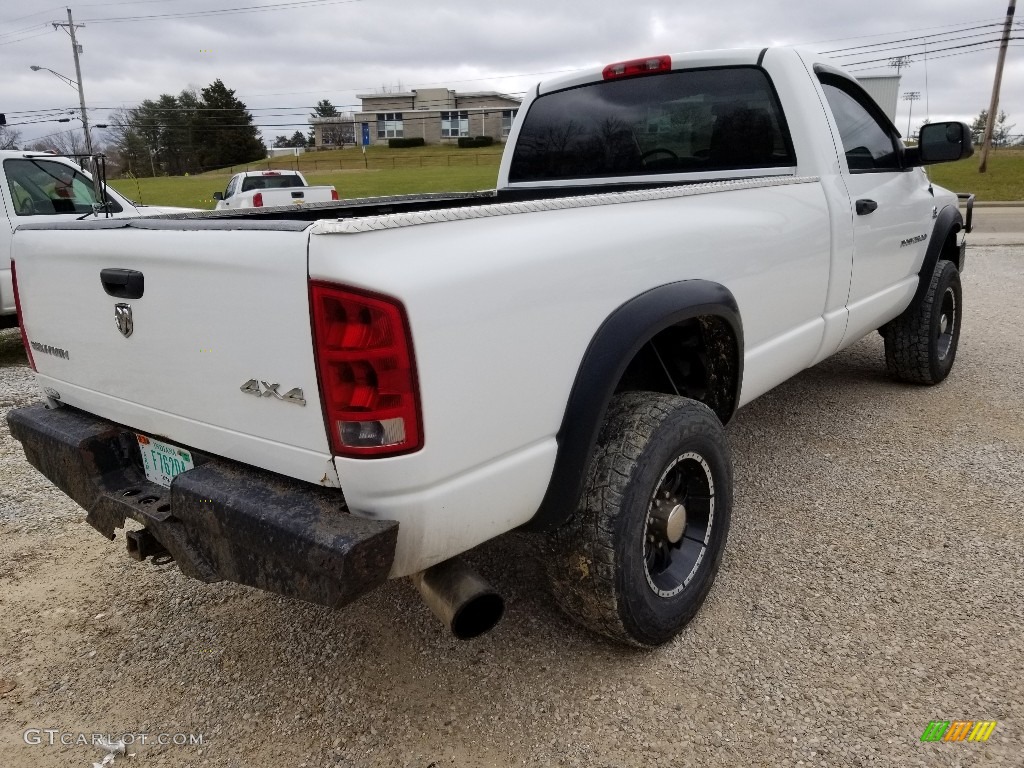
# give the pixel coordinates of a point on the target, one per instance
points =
(296, 4)
(884, 34)
(947, 56)
(915, 45)
(937, 50)
(23, 30)
(29, 37)
(909, 39)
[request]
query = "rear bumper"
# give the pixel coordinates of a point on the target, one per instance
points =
(221, 521)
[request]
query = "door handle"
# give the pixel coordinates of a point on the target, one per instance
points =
(864, 207)
(123, 283)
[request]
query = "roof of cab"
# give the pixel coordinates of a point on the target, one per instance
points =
(718, 58)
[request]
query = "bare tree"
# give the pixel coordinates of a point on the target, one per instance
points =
(9, 137)
(63, 143)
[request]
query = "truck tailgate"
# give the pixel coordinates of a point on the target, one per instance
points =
(221, 305)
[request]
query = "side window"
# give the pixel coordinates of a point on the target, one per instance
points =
(232, 186)
(868, 145)
(43, 187)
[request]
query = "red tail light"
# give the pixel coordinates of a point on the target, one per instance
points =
(367, 372)
(257, 200)
(334, 194)
(635, 67)
(21, 323)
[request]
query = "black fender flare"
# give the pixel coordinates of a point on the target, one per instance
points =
(949, 220)
(614, 345)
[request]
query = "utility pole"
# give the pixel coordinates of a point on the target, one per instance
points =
(75, 49)
(911, 96)
(986, 143)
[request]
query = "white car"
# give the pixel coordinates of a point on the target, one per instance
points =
(313, 401)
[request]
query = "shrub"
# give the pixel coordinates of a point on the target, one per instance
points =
(403, 143)
(467, 142)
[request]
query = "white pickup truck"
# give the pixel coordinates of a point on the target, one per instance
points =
(267, 189)
(37, 186)
(312, 401)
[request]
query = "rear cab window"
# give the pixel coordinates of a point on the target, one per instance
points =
(687, 121)
(271, 181)
(42, 187)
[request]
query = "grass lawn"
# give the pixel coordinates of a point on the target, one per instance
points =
(386, 171)
(382, 171)
(197, 191)
(1004, 179)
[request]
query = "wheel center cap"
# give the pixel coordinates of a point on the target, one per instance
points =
(670, 522)
(944, 324)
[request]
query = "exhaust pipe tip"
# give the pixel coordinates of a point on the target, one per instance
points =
(478, 616)
(460, 598)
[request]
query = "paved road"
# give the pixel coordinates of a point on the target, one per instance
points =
(998, 225)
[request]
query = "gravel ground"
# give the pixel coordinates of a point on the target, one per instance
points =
(874, 581)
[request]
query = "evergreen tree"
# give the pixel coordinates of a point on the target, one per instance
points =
(337, 134)
(186, 133)
(224, 133)
(1000, 131)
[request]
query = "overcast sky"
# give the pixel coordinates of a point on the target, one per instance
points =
(282, 60)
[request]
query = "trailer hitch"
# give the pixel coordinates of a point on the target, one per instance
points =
(143, 544)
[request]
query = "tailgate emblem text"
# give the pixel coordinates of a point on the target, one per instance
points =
(123, 319)
(258, 388)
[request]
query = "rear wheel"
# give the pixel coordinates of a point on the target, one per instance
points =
(921, 344)
(638, 557)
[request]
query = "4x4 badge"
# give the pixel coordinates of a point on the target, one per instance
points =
(265, 389)
(123, 318)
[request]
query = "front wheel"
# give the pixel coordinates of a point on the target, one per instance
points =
(639, 556)
(921, 344)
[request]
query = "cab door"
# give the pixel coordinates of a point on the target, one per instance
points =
(891, 207)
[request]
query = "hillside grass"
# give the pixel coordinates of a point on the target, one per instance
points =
(434, 168)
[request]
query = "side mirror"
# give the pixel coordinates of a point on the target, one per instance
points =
(218, 195)
(943, 143)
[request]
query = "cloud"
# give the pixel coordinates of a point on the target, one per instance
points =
(282, 62)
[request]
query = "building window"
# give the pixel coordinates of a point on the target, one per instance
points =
(507, 116)
(454, 124)
(389, 125)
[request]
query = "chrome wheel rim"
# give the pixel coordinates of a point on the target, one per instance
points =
(678, 526)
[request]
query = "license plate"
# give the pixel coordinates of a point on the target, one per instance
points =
(162, 462)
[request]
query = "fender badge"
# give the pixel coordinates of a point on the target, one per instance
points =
(123, 319)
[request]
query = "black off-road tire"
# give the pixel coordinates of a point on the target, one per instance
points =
(613, 566)
(921, 344)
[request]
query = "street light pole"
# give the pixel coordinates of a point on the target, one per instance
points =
(911, 96)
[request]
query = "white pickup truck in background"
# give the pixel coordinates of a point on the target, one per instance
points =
(40, 186)
(313, 400)
(267, 189)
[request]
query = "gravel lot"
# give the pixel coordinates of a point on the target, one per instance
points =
(874, 581)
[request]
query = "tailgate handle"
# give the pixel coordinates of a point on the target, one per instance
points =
(123, 283)
(298, 194)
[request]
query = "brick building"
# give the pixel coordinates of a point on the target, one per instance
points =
(437, 115)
